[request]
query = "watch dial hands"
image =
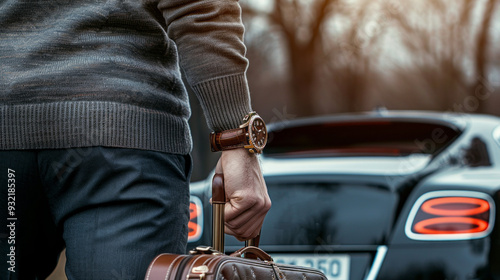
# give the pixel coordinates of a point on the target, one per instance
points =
(258, 133)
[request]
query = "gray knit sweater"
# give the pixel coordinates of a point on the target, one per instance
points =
(77, 73)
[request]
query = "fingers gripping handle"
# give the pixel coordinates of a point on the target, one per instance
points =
(218, 203)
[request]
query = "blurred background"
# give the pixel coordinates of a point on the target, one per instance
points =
(319, 57)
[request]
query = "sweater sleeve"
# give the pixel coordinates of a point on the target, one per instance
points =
(209, 39)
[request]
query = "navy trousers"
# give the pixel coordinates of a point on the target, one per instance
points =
(112, 209)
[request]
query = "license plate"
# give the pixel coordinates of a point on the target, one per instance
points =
(335, 267)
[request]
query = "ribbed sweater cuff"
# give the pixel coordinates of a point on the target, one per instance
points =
(225, 101)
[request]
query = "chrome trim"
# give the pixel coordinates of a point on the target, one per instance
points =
(445, 237)
(496, 135)
(381, 166)
(377, 263)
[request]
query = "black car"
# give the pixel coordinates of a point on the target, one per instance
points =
(382, 195)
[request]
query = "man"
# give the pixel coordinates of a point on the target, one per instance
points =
(94, 140)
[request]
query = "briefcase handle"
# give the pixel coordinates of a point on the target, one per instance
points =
(218, 203)
(255, 252)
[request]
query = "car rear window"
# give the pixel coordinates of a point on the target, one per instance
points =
(366, 137)
(326, 213)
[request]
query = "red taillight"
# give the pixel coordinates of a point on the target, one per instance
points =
(451, 215)
(195, 225)
(450, 225)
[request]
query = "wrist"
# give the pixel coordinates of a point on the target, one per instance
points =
(240, 157)
(242, 152)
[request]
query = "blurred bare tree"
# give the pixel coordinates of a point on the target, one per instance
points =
(346, 55)
(449, 48)
(479, 88)
(436, 43)
(352, 50)
(300, 25)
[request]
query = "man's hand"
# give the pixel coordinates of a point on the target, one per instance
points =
(246, 192)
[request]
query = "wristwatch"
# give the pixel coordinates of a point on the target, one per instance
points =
(251, 135)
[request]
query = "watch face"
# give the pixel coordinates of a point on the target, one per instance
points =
(258, 133)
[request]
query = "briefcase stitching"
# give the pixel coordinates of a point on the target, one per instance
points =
(172, 265)
(152, 265)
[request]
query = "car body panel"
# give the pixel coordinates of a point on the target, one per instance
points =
(356, 200)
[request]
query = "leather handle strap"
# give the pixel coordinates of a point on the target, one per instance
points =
(218, 203)
(254, 251)
(218, 191)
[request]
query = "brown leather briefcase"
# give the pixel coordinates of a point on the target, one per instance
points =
(207, 263)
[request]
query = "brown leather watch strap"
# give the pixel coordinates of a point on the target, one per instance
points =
(228, 139)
